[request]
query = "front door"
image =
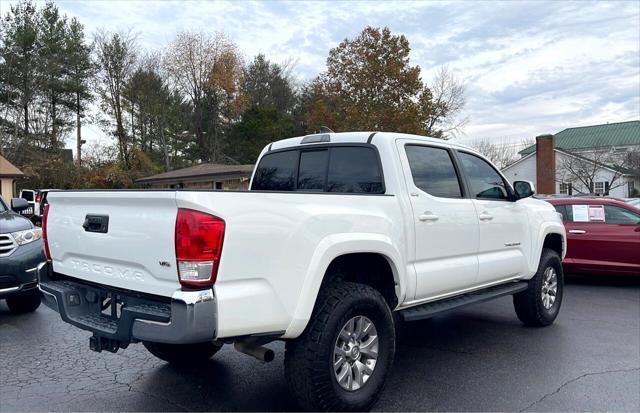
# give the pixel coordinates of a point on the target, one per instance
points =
(445, 222)
(603, 239)
(505, 238)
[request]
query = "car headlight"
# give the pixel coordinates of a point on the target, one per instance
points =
(27, 236)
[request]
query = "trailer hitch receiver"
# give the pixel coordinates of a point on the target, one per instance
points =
(98, 343)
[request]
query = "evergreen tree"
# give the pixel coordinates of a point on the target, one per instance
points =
(80, 70)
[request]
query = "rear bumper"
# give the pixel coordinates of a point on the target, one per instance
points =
(188, 317)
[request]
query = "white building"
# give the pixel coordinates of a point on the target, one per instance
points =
(586, 160)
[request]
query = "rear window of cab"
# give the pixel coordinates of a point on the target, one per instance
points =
(333, 169)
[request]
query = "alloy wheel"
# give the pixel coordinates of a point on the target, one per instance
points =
(549, 287)
(355, 353)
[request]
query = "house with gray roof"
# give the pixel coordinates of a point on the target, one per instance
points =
(203, 176)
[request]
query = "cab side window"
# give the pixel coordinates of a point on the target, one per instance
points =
(312, 172)
(486, 182)
(433, 171)
(276, 172)
(347, 169)
(354, 170)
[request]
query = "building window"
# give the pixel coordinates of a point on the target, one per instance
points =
(564, 188)
(631, 189)
(600, 187)
(218, 185)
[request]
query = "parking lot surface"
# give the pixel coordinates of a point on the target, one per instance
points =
(479, 358)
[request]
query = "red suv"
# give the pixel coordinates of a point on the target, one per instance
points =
(603, 235)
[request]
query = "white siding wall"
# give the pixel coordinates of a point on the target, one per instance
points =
(524, 170)
(6, 189)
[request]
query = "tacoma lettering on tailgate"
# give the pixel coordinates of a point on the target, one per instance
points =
(114, 271)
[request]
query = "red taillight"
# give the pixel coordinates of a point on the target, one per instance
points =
(38, 198)
(198, 241)
(47, 253)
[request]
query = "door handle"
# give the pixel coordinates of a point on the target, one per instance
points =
(428, 216)
(485, 217)
(577, 231)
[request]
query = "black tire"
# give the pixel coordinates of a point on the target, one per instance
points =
(529, 304)
(309, 359)
(26, 302)
(183, 354)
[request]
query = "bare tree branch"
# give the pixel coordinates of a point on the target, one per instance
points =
(447, 99)
(500, 152)
(585, 167)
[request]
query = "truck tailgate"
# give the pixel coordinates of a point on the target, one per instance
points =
(123, 239)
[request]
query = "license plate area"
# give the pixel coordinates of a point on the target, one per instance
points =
(111, 305)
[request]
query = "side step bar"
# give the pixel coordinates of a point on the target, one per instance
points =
(434, 308)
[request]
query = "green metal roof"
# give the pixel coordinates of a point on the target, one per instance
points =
(610, 134)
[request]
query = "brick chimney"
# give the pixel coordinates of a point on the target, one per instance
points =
(545, 164)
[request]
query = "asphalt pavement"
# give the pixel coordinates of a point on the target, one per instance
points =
(479, 358)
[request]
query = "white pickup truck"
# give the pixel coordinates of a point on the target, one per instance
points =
(341, 237)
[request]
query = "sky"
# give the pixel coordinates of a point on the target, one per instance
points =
(529, 68)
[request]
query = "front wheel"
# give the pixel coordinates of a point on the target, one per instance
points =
(25, 302)
(342, 359)
(180, 354)
(539, 304)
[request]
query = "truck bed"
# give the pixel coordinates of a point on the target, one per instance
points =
(271, 249)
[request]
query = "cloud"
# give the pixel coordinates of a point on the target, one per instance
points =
(529, 67)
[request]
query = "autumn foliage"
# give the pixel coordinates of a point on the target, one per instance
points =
(199, 99)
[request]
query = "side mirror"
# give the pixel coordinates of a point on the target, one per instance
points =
(524, 189)
(19, 204)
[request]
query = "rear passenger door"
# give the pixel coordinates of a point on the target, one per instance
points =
(445, 222)
(505, 238)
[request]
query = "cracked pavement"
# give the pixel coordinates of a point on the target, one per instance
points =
(479, 358)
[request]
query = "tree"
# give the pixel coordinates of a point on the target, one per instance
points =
(584, 168)
(157, 112)
(314, 109)
(80, 71)
(20, 75)
(500, 153)
(267, 84)
(270, 96)
(441, 103)
(207, 69)
(36, 113)
(259, 126)
(116, 56)
(632, 161)
(371, 83)
(52, 42)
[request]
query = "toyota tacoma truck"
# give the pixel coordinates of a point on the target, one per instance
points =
(341, 237)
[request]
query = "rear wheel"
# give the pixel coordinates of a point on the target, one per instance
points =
(25, 302)
(183, 353)
(341, 360)
(539, 304)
